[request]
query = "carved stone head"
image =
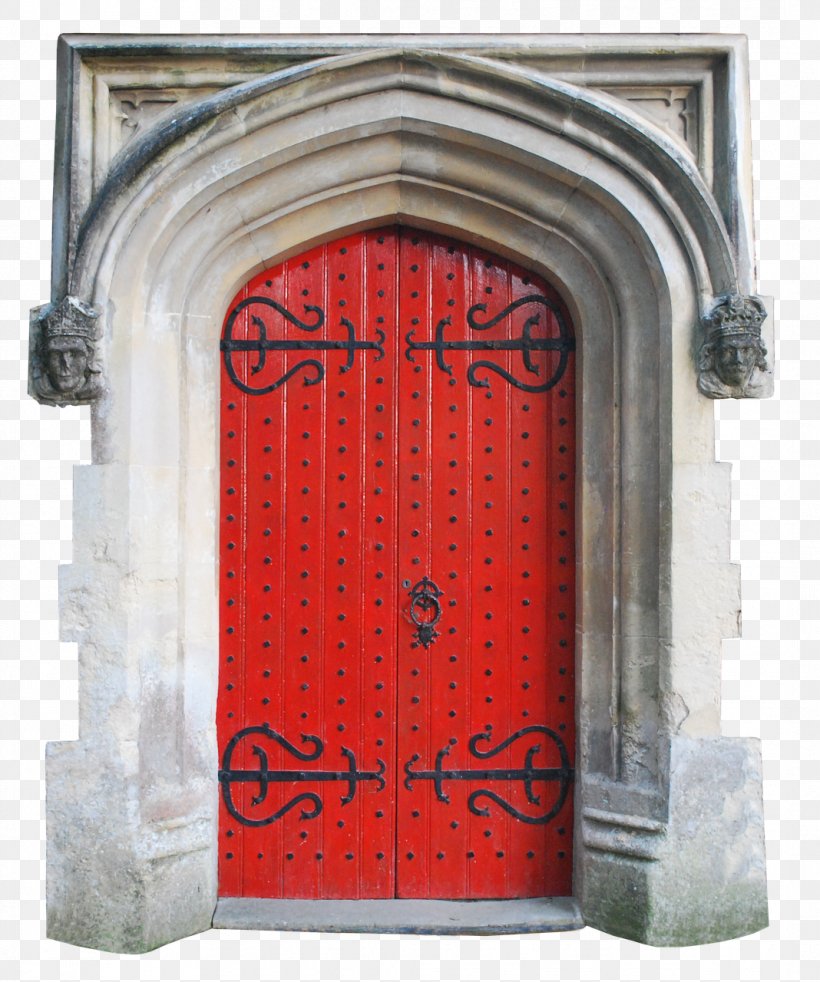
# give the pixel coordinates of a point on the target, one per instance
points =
(64, 362)
(733, 355)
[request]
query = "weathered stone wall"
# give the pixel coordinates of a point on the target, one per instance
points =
(267, 147)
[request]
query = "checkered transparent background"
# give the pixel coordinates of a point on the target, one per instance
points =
(771, 679)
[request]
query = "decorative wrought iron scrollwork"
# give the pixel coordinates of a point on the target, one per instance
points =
(526, 344)
(424, 597)
(264, 776)
(262, 344)
(528, 774)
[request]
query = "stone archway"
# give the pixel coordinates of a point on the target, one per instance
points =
(567, 180)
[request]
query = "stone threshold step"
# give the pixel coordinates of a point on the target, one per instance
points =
(524, 916)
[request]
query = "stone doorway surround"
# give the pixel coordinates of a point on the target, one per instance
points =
(616, 166)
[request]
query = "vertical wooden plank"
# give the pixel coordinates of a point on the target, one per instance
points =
(560, 663)
(491, 537)
(230, 703)
(378, 590)
(300, 603)
(529, 424)
(341, 679)
(414, 709)
(265, 543)
(449, 657)
(487, 635)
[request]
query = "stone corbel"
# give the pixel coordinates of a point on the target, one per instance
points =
(64, 353)
(732, 359)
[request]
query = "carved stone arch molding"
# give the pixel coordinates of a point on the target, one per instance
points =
(618, 169)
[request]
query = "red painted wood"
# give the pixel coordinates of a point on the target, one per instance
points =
(338, 497)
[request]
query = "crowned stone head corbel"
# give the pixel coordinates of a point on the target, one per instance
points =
(64, 357)
(732, 360)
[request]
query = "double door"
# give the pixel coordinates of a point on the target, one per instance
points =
(395, 712)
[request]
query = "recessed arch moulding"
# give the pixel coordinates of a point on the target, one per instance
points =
(617, 168)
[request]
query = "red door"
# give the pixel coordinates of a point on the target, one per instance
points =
(395, 713)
